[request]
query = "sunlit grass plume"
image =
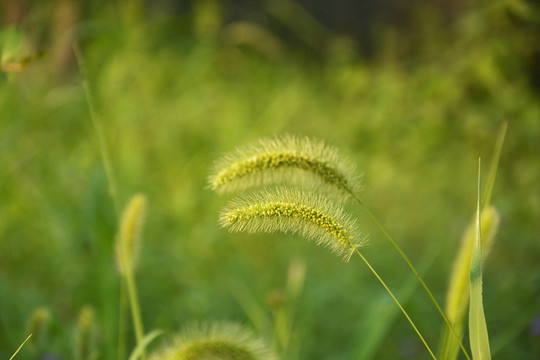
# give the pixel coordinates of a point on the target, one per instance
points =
(284, 159)
(297, 211)
(215, 341)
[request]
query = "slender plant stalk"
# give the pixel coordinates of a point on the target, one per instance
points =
(127, 248)
(20, 347)
(111, 180)
(138, 351)
(494, 166)
(131, 287)
(396, 301)
(122, 341)
(413, 269)
(135, 309)
(105, 158)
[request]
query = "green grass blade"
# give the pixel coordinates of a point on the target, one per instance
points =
(457, 297)
(96, 123)
(20, 347)
(478, 333)
(494, 165)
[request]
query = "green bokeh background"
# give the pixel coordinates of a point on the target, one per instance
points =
(174, 93)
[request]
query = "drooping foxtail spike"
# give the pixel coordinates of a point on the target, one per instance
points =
(289, 159)
(297, 211)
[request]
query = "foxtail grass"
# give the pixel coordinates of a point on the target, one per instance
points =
(304, 162)
(310, 215)
(85, 334)
(296, 160)
(127, 245)
(218, 340)
(38, 326)
(285, 159)
(296, 211)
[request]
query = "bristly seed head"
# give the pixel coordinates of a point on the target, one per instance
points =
(286, 210)
(221, 340)
(283, 159)
(128, 241)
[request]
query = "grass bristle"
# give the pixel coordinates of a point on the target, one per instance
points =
(296, 211)
(216, 340)
(286, 158)
(128, 241)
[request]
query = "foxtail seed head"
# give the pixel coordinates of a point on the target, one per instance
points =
(215, 341)
(38, 327)
(284, 159)
(291, 210)
(128, 241)
(85, 334)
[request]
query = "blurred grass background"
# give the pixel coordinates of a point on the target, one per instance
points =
(414, 102)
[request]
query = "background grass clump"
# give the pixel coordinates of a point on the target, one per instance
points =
(175, 90)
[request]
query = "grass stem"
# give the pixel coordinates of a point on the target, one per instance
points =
(122, 307)
(105, 157)
(135, 308)
(396, 301)
(413, 269)
(20, 347)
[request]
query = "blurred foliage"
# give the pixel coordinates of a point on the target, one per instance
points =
(174, 92)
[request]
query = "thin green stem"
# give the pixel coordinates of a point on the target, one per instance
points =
(111, 180)
(20, 347)
(130, 285)
(135, 308)
(121, 350)
(411, 266)
(494, 164)
(396, 301)
(105, 158)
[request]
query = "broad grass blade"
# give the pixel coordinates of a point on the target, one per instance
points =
(478, 333)
(457, 297)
